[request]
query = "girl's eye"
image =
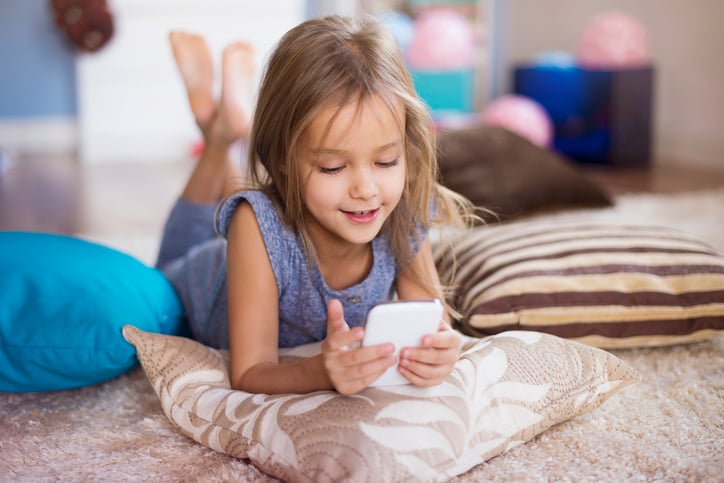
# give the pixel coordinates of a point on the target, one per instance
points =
(324, 170)
(389, 164)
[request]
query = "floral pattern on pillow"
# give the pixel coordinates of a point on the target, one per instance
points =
(504, 391)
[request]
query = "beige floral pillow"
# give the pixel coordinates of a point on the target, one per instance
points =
(505, 390)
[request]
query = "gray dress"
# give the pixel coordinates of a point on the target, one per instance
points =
(193, 257)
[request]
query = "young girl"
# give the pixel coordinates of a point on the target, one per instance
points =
(342, 156)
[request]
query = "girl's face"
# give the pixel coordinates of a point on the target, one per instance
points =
(352, 171)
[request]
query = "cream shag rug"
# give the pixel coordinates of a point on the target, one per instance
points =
(670, 427)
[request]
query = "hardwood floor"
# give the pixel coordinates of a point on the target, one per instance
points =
(57, 194)
(60, 195)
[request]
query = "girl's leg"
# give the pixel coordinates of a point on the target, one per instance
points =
(236, 106)
(192, 256)
(195, 65)
(215, 174)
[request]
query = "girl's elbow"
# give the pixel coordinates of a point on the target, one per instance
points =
(240, 381)
(236, 382)
(253, 380)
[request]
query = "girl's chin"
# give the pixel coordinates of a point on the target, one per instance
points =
(361, 234)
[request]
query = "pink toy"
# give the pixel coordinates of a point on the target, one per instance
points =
(613, 40)
(523, 116)
(442, 40)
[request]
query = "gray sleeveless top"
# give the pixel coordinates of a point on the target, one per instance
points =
(303, 294)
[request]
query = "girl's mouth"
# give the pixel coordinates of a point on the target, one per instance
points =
(361, 216)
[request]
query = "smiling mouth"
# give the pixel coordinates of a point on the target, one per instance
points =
(361, 216)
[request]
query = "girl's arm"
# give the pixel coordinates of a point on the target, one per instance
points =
(420, 280)
(432, 363)
(253, 300)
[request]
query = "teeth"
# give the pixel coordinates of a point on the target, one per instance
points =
(361, 213)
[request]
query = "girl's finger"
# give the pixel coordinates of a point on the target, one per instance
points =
(423, 375)
(444, 339)
(342, 339)
(429, 356)
(364, 355)
(371, 368)
(335, 317)
(354, 378)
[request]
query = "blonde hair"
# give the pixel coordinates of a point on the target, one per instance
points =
(332, 61)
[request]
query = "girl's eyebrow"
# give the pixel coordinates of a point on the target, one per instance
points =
(333, 151)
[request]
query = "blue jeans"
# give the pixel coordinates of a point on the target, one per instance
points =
(193, 257)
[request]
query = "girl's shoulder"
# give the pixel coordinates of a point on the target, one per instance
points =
(265, 211)
(283, 247)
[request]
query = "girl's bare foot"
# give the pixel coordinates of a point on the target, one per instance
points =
(237, 91)
(196, 67)
(235, 107)
(225, 127)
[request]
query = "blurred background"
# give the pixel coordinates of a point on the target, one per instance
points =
(124, 101)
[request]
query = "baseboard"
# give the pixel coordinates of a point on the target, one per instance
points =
(691, 161)
(48, 135)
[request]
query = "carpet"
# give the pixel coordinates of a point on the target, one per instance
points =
(670, 427)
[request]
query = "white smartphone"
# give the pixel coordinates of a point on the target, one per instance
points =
(403, 323)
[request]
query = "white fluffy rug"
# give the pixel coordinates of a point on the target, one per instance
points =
(670, 427)
(699, 213)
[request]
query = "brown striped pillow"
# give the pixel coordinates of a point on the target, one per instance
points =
(608, 285)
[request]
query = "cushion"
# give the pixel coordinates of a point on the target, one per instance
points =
(507, 174)
(63, 302)
(504, 390)
(607, 284)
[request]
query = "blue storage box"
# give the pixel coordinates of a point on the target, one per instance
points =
(446, 91)
(599, 116)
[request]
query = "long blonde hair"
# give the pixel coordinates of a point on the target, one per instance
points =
(333, 61)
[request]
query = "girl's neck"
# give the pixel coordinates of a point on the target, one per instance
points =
(344, 265)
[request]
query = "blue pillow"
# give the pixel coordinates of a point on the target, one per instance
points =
(63, 302)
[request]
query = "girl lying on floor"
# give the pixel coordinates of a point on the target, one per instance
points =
(331, 220)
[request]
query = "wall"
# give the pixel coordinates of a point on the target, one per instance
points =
(37, 80)
(686, 44)
(132, 106)
(48, 89)
(37, 65)
(38, 97)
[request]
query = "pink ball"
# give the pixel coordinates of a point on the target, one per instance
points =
(523, 116)
(613, 40)
(442, 40)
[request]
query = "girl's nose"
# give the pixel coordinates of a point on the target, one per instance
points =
(364, 185)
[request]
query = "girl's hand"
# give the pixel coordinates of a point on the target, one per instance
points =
(430, 364)
(351, 368)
